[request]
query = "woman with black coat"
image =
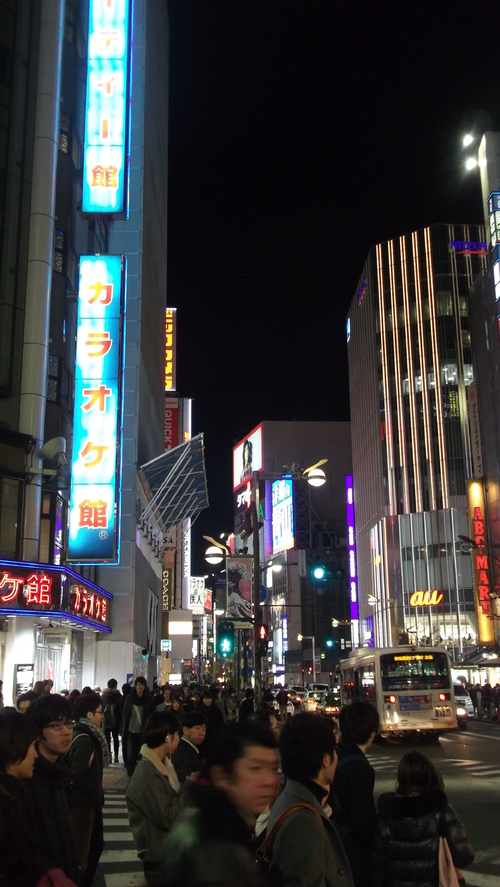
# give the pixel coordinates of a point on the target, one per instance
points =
(136, 709)
(409, 824)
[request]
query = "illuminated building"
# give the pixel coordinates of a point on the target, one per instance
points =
(82, 325)
(410, 369)
(304, 529)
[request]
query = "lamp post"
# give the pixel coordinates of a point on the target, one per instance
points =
(310, 637)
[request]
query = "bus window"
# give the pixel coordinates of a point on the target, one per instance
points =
(348, 686)
(414, 671)
(367, 681)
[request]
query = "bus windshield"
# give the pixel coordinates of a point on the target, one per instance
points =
(414, 671)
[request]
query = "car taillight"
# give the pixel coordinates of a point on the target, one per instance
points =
(443, 697)
(391, 699)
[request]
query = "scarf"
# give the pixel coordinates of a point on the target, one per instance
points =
(102, 739)
(165, 767)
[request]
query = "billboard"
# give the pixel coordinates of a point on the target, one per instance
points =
(171, 422)
(481, 563)
(239, 587)
(197, 595)
(96, 457)
(106, 108)
(247, 457)
(351, 549)
(282, 514)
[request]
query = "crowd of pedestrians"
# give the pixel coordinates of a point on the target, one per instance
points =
(221, 792)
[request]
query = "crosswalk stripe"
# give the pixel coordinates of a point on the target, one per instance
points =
(115, 820)
(118, 836)
(111, 856)
(128, 879)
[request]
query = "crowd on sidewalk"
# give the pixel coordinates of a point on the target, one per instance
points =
(221, 792)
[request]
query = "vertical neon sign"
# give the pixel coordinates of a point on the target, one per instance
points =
(106, 108)
(96, 458)
(351, 551)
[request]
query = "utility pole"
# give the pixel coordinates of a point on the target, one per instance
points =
(257, 609)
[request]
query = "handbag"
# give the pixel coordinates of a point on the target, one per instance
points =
(449, 875)
(264, 852)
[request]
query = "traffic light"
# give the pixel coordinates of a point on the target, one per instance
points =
(225, 639)
(262, 640)
(318, 572)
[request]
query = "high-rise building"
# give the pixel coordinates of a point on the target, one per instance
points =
(410, 368)
(83, 294)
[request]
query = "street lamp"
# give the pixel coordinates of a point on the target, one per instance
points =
(467, 140)
(310, 637)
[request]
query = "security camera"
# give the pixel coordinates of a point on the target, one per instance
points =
(54, 450)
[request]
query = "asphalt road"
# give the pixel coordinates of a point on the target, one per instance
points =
(469, 761)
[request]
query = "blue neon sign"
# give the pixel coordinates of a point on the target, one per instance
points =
(96, 464)
(106, 108)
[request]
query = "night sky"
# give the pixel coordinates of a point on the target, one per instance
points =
(301, 133)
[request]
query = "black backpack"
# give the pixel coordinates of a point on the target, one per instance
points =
(109, 716)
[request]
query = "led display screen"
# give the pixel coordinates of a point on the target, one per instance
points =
(247, 457)
(282, 514)
(106, 108)
(96, 464)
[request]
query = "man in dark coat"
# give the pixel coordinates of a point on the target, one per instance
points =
(111, 708)
(211, 841)
(307, 849)
(247, 705)
(51, 780)
(354, 781)
(186, 758)
(85, 758)
(136, 710)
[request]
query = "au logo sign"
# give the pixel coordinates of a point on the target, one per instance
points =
(426, 598)
(96, 458)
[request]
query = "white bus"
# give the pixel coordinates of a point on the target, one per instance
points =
(411, 687)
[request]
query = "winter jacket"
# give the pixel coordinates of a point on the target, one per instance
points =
(247, 707)
(52, 831)
(356, 818)
(210, 845)
(186, 760)
(406, 846)
(21, 861)
(231, 708)
(84, 759)
(152, 806)
(306, 851)
(147, 706)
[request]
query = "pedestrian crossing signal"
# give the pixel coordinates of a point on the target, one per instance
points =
(262, 640)
(225, 639)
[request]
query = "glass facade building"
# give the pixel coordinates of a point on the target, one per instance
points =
(410, 366)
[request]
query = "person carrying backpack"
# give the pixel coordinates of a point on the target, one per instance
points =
(111, 699)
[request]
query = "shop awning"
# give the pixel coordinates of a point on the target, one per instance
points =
(175, 484)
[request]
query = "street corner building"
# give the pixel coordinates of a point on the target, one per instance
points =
(83, 295)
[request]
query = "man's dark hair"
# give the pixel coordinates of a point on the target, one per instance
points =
(303, 743)
(157, 726)
(89, 702)
(126, 689)
(194, 719)
(358, 721)
(233, 741)
(17, 732)
(268, 696)
(112, 683)
(47, 709)
(30, 697)
(141, 680)
(249, 693)
(263, 717)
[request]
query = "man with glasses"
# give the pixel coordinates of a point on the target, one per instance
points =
(51, 780)
(87, 755)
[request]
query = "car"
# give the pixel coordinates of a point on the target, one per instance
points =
(296, 698)
(464, 704)
(330, 705)
(311, 701)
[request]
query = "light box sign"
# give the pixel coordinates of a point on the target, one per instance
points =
(170, 349)
(351, 548)
(44, 589)
(106, 108)
(483, 579)
(282, 514)
(247, 457)
(96, 458)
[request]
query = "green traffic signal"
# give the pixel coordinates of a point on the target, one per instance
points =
(319, 572)
(225, 639)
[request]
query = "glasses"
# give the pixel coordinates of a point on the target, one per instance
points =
(58, 726)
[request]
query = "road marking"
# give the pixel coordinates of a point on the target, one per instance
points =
(110, 856)
(476, 879)
(119, 836)
(137, 879)
(115, 820)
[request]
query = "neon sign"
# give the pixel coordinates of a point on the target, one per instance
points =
(426, 598)
(282, 515)
(96, 463)
(469, 247)
(43, 589)
(351, 548)
(481, 563)
(106, 109)
(170, 349)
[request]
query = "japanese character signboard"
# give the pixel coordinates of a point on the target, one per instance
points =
(481, 567)
(58, 591)
(96, 463)
(106, 109)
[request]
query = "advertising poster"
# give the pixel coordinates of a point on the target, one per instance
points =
(247, 457)
(24, 678)
(239, 588)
